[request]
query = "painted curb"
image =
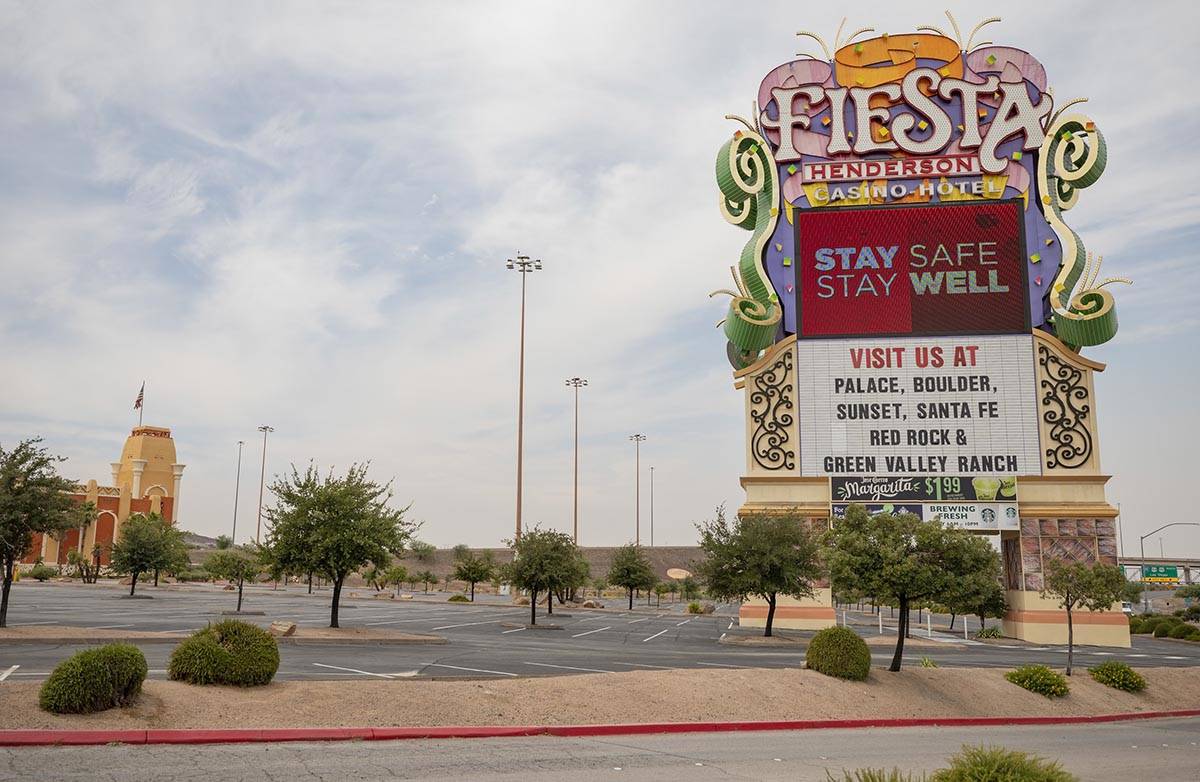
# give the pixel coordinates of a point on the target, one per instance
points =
(37, 738)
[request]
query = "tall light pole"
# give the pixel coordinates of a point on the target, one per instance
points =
(651, 507)
(576, 383)
(1142, 543)
(637, 482)
(262, 480)
(523, 265)
(237, 485)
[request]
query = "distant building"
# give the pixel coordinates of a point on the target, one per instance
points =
(145, 480)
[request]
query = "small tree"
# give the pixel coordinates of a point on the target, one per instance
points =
(473, 569)
(422, 551)
(901, 559)
(1077, 585)
(144, 545)
(660, 589)
(33, 499)
(176, 558)
(428, 577)
(1131, 591)
(461, 551)
(688, 587)
(334, 525)
(599, 584)
(758, 555)
(223, 542)
(397, 575)
(376, 577)
(543, 561)
(237, 564)
(630, 570)
(979, 591)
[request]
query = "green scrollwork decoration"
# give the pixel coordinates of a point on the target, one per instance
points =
(1073, 157)
(749, 185)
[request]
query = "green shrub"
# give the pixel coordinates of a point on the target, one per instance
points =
(459, 599)
(1193, 634)
(840, 652)
(1180, 631)
(1039, 679)
(1135, 626)
(1118, 675)
(229, 652)
(928, 662)
(1163, 629)
(695, 608)
(95, 680)
(42, 572)
(873, 775)
(990, 632)
(972, 764)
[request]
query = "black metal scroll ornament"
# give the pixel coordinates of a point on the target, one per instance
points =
(1066, 410)
(770, 406)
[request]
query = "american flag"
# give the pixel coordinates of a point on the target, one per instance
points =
(137, 403)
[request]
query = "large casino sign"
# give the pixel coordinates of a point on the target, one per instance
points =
(905, 197)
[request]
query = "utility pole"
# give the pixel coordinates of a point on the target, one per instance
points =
(262, 480)
(651, 507)
(237, 485)
(576, 383)
(525, 266)
(637, 482)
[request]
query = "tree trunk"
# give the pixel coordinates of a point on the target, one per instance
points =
(472, 591)
(155, 578)
(337, 595)
(630, 598)
(902, 631)
(549, 602)
(770, 614)
(1070, 641)
(310, 583)
(9, 564)
(952, 616)
(533, 606)
(132, 582)
(241, 580)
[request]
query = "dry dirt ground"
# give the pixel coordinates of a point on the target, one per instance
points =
(640, 696)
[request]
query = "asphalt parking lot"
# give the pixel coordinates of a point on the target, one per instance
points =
(484, 640)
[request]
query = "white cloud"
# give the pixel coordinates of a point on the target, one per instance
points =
(301, 219)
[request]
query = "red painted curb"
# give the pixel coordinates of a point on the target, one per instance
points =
(31, 738)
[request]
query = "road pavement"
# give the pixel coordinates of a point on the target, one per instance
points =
(1153, 749)
(484, 640)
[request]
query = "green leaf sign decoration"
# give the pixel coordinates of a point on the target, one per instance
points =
(749, 185)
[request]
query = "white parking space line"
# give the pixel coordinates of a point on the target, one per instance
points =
(1137, 655)
(685, 621)
(656, 635)
(354, 670)
(398, 621)
(723, 665)
(569, 668)
(645, 619)
(4, 675)
(515, 630)
(589, 632)
(30, 624)
(1173, 657)
(730, 625)
(471, 624)
(473, 670)
(646, 665)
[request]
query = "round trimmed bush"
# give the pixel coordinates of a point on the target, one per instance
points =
(95, 680)
(42, 572)
(229, 652)
(458, 599)
(1039, 679)
(1180, 630)
(840, 652)
(1118, 675)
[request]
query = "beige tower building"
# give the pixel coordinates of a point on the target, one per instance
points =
(145, 480)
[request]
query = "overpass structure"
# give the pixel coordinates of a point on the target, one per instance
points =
(1188, 567)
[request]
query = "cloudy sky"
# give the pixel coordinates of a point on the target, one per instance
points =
(297, 214)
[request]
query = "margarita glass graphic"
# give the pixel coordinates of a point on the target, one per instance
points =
(986, 488)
